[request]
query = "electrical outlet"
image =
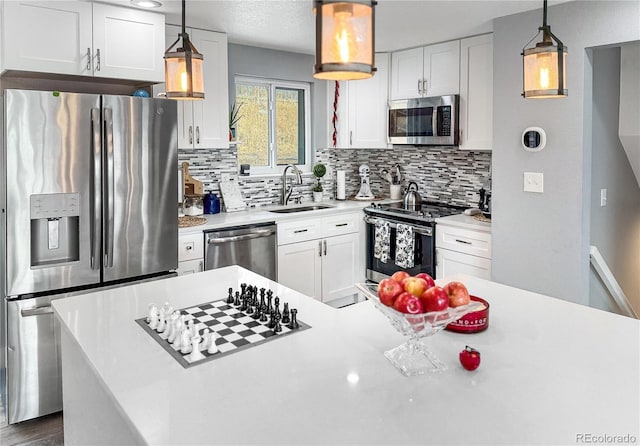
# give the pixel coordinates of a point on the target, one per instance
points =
(533, 182)
(603, 197)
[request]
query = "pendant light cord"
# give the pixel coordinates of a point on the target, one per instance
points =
(184, 29)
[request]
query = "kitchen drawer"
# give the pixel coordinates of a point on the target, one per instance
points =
(341, 224)
(190, 247)
(466, 241)
(299, 231)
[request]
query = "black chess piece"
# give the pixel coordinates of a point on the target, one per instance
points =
(285, 314)
(277, 328)
(263, 316)
(230, 298)
(263, 307)
(257, 314)
(269, 306)
(237, 301)
(249, 309)
(276, 306)
(262, 291)
(294, 320)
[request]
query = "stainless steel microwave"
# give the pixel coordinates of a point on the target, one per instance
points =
(424, 121)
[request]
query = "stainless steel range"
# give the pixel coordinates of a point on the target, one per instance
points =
(423, 229)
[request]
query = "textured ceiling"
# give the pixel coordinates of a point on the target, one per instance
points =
(289, 24)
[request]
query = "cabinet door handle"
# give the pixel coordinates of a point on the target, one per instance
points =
(425, 85)
(351, 137)
(298, 231)
(463, 241)
(325, 247)
(190, 134)
(88, 59)
(419, 86)
(201, 266)
(460, 136)
(98, 59)
(197, 134)
(188, 247)
(320, 249)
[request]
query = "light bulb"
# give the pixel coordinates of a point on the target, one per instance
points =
(345, 45)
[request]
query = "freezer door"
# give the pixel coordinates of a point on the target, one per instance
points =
(51, 212)
(34, 380)
(140, 159)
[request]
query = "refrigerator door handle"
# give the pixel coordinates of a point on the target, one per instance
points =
(108, 133)
(96, 188)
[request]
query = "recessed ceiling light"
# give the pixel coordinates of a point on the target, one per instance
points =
(146, 3)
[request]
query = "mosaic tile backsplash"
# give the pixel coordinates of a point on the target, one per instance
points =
(443, 174)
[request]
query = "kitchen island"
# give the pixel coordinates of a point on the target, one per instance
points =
(552, 372)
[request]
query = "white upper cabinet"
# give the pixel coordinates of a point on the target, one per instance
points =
(433, 70)
(81, 38)
(205, 123)
(362, 109)
(476, 93)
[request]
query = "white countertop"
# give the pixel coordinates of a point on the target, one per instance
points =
(464, 221)
(550, 370)
(262, 215)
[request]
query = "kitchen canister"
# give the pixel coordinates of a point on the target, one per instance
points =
(211, 203)
(341, 181)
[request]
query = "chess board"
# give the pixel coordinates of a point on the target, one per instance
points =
(236, 330)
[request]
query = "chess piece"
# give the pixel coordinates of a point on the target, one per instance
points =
(192, 328)
(154, 315)
(272, 320)
(213, 347)
(285, 314)
(162, 321)
(206, 339)
(269, 306)
(276, 305)
(237, 301)
(294, 320)
(195, 350)
(171, 331)
(185, 340)
(277, 328)
(230, 298)
(263, 317)
(258, 313)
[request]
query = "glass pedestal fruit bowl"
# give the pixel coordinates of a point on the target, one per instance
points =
(414, 356)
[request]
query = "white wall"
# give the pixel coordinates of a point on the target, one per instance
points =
(540, 241)
(629, 125)
(615, 228)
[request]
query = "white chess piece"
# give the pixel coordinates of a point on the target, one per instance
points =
(185, 339)
(192, 328)
(213, 348)
(173, 321)
(178, 330)
(162, 324)
(152, 318)
(206, 339)
(195, 350)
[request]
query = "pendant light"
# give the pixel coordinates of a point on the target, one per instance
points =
(544, 66)
(344, 39)
(183, 68)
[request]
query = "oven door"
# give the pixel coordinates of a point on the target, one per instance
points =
(424, 250)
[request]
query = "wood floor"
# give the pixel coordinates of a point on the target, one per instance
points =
(44, 431)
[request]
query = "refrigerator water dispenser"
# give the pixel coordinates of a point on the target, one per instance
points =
(55, 229)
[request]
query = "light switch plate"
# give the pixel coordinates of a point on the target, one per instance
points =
(533, 182)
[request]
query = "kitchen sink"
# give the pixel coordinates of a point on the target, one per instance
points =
(314, 207)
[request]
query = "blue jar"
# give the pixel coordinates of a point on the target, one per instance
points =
(211, 203)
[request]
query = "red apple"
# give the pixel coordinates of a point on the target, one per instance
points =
(470, 358)
(428, 278)
(388, 291)
(399, 276)
(458, 294)
(408, 303)
(415, 285)
(435, 299)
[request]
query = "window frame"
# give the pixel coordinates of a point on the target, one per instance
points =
(272, 85)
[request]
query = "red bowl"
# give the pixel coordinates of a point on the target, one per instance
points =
(472, 322)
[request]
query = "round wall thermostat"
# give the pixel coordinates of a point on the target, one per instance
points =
(534, 139)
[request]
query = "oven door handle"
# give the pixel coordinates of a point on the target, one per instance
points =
(422, 230)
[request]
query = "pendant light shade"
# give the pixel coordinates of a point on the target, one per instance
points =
(544, 65)
(183, 68)
(344, 39)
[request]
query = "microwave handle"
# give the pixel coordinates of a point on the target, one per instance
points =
(434, 121)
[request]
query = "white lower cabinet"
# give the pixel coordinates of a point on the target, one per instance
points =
(190, 253)
(462, 251)
(321, 257)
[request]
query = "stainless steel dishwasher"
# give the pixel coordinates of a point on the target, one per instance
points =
(253, 247)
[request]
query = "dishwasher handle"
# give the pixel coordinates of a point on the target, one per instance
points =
(256, 233)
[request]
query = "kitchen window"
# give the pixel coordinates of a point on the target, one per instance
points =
(275, 126)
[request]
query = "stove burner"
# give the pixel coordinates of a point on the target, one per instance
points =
(427, 213)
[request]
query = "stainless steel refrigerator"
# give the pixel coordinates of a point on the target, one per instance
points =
(87, 201)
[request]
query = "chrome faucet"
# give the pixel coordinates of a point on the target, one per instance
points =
(288, 188)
